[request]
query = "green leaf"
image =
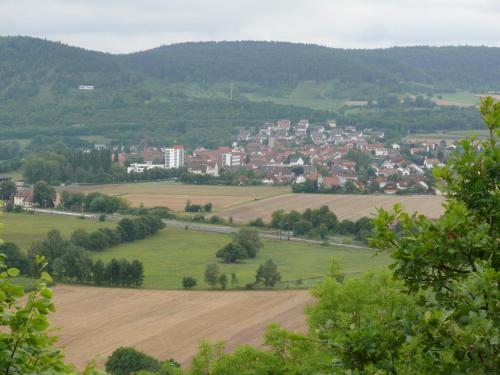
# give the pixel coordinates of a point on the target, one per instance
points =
(46, 277)
(13, 272)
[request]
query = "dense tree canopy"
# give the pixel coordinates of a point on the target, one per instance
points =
(192, 106)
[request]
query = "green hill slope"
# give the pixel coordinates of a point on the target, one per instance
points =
(182, 92)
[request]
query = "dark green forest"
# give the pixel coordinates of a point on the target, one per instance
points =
(180, 93)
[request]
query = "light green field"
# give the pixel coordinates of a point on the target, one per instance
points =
(95, 139)
(23, 229)
(306, 94)
(173, 254)
(452, 135)
(460, 97)
(16, 175)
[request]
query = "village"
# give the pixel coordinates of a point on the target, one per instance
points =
(311, 158)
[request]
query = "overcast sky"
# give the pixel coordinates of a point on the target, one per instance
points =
(131, 25)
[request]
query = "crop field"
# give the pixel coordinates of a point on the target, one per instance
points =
(167, 324)
(175, 195)
(23, 229)
(345, 206)
(173, 254)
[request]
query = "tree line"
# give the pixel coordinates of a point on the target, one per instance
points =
(320, 222)
(68, 262)
(91, 202)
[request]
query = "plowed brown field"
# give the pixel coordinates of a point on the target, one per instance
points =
(167, 324)
(345, 206)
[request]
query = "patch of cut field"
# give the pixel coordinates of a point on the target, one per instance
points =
(345, 206)
(175, 195)
(178, 202)
(167, 324)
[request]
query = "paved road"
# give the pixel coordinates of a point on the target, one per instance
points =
(285, 236)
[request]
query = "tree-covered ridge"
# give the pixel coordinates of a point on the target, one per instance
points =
(272, 63)
(181, 93)
(35, 61)
(29, 64)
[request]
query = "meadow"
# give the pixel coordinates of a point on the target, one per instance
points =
(23, 229)
(173, 254)
(174, 195)
(449, 136)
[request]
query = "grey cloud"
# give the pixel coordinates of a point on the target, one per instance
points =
(131, 25)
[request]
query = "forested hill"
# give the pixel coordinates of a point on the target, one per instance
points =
(270, 63)
(277, 63)
(28, 65)
(201, 93)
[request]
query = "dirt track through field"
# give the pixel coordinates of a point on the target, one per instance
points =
(345, 206)
(167, 324)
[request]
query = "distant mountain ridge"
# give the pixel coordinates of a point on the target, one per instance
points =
(279, 62)
(201, 93)
(267, 63)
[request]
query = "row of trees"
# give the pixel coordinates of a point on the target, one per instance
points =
(128, 230)
(71, 263)
(207, 207)
(67, 165)
(267, 275)
(318, 223)
(91, 202)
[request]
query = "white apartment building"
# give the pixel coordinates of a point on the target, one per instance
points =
(174, 157)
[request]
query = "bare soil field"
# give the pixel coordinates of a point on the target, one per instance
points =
(345, 206)
(174, 195)
(167, 324)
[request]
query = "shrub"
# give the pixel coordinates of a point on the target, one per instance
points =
(231, 253)
(189, 282)
(126, 361)
(257, 223)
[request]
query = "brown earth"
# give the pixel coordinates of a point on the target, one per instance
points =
(175, 195)
(345, 206)
(178, 202)
(167, 324)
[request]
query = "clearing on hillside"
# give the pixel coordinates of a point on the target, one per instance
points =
(175, 195)
(167, 324)
(345, 206)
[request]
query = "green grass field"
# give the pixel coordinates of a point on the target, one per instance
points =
(451, 135)
(462, 97)
(307, 94)
(23, 229)
(173, 254)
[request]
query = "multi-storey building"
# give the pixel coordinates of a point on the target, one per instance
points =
(174, 157)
